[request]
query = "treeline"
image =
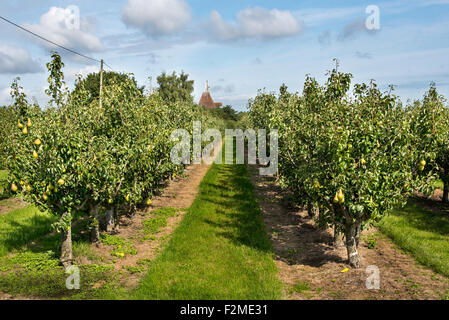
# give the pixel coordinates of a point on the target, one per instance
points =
(80, 158)
(350, 156)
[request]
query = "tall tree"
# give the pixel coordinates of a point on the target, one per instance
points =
(92, 82)
(173, 88)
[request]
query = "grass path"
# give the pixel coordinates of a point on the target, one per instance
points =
(423, 233)
(220, 250)
(19, 227)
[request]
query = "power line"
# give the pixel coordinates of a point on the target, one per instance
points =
(54, 43)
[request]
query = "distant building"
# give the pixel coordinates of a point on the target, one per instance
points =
(206, 99)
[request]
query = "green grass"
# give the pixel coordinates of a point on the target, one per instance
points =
(121, 246)
(422, 233)
(34, 269)
(220, 250)
(154, 224)
(19, 227)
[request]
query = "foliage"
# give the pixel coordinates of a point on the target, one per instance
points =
(92, 83)
(77, 158)
(430, 125)
(351, 155)
(226, 113)
(174, 88)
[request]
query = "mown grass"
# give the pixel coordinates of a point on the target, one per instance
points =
(29, 259)
(220, 250)
(422, 233)
(20, 226)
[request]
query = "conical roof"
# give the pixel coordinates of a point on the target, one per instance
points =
(206, 99)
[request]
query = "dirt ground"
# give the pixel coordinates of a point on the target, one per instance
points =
(311, 267)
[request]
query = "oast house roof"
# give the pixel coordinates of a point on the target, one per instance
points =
(207, 101)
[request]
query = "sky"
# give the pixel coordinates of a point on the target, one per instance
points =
(240, 47)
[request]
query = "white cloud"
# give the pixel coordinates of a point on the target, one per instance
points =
(17, 61)
(55, 26)
(319, 16)
(5, 96)
(157, 17)
(72, 73)
(256, 23)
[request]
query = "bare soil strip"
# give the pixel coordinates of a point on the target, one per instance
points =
(311, 267)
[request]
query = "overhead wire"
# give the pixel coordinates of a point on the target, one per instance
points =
(52, 42)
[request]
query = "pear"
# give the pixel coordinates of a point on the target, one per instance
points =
(340, 196)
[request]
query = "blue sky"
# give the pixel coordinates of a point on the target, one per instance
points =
(239, 46)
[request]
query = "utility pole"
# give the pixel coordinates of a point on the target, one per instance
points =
(101, 80)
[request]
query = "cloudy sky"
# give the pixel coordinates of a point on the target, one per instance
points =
(239, 46)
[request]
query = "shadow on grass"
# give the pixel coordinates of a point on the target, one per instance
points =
(19, 233)
(422, 219)
(240, 216)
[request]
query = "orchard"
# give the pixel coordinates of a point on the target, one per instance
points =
(353, 156)
(78, 158)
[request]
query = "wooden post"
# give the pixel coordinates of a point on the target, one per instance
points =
(101, 80)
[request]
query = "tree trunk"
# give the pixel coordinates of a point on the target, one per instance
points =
(338, 238)
(311, 210)
(110, 221)
(95, 231)
(66, 246)
(352, 234)
(446, 192)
